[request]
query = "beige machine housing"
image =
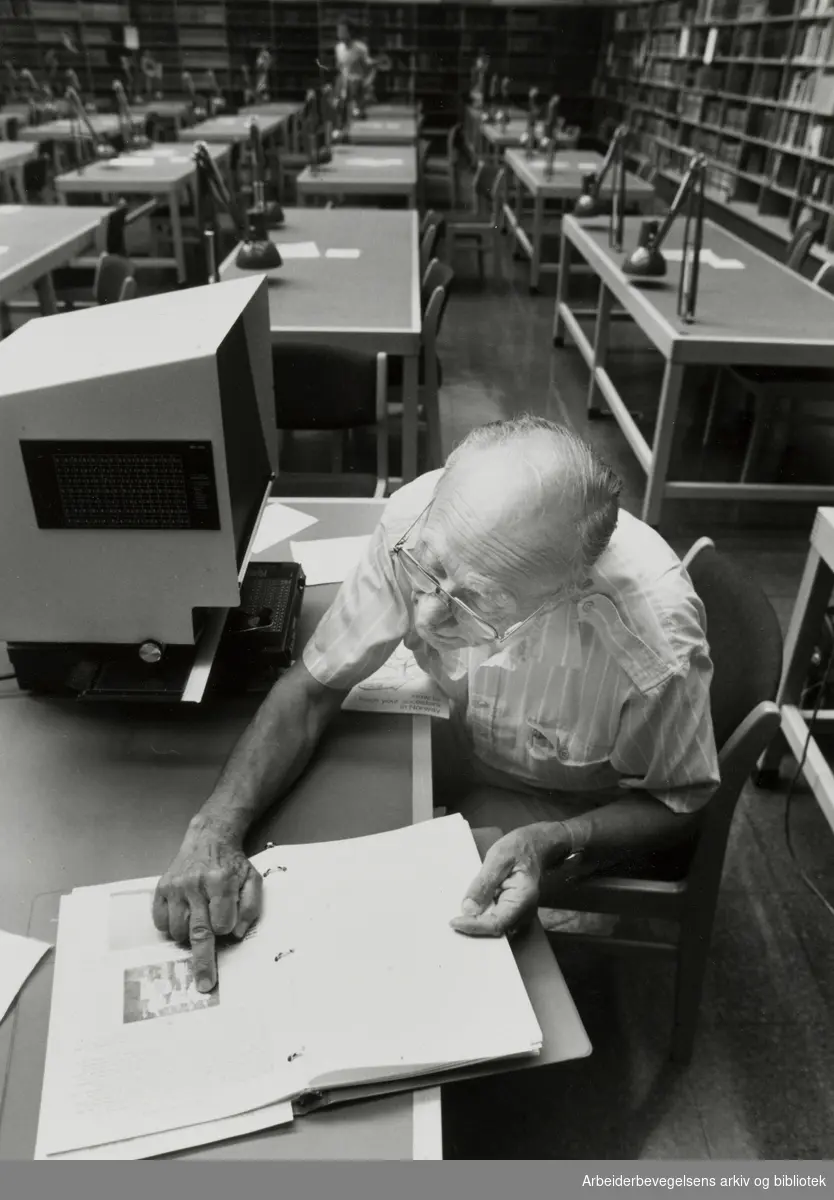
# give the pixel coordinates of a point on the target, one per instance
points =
(189, 369)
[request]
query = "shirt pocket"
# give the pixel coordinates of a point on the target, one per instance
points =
(562, 758)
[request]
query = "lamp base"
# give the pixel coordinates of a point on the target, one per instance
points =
(646, 261)
(588, 203)
(106, 152)
(258, 256)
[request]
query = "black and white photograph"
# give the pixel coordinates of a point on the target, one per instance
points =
(164, 989)
(417, 589)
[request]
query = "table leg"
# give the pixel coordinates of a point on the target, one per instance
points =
(601, 336)
(300, 196)
(176, 234)
(662, 447)
(45, 291)
(410, 403)
(563, 288)
(538, 233)
(19, 184)
(803, 634)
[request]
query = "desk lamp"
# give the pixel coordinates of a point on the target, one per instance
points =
(503, 114)
(268, 211)
(152, 71)
(248, 90)
(315, 127)
(548, 141)
(263, 64)
(216, 99)
(78, 117)
(589, 203)
(257, 252)
(647, 261)
(528, 138)
(488, 115)
(200, 112)
(133, 140)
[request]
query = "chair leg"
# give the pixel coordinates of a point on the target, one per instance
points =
(713, 408)
(480, 251)
(693, 952)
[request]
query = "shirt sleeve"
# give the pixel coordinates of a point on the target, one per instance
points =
(665, 743)
(365, 623)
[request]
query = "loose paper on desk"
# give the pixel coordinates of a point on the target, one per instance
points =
(400, 686)
(374, 162)
(329, 560)
(18, 958)
(339, 983)
(298, 250)
(342, 253)
(279, 522)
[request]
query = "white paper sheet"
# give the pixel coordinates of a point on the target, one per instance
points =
(129, 161)
(18, 958)
(374, 162)
(298, 250)
(4, 249)
(329, 560)
(342, 253)
(400, 686)
(279, 522)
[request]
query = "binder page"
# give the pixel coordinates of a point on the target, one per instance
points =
(133, 1048)
(386, 987)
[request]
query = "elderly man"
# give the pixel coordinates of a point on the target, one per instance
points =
(571, 644)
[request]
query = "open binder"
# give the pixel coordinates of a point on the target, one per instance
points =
(351, 984)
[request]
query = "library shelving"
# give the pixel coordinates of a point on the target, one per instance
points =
(431, 44)
(749, 83)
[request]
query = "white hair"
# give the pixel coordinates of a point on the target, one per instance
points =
(570, 500)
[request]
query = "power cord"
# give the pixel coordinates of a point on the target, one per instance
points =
(820, 689)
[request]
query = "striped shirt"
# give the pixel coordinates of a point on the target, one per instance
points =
(608, 691)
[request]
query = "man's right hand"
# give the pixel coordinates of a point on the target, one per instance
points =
(210, 890)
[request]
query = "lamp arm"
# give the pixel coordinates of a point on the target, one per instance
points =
(617, 140)
(213, 181)
(551, 118)
(125, 115)
(80, 113)
(689, 181)
(257, 148)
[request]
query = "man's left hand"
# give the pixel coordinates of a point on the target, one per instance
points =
(505, 892)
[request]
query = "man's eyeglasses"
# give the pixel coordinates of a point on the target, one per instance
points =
(424, 581)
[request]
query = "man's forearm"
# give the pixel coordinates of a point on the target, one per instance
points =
(633, 825)
(270, 755)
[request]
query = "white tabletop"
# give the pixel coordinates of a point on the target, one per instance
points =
(160, 168)
(364, 169)
(13, 154)
(37, 238)
(231, 129)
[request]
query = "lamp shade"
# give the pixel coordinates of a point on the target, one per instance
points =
(646, 261)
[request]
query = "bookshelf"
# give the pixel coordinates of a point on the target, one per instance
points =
(432, 44)
(750, 83)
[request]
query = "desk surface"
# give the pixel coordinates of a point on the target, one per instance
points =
(19, 114)
(38, 238)
(94, 794)
(762, 313)
(364, 169)
(230, 129)
(65, 130)
(12, 154)
(272, 108)
(512, 133)
(160, 168)
(371, 302)
(569, 168)
(383, 131)
(392, 110)
(164, 108)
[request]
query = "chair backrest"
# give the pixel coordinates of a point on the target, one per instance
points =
(484, 181)
(745, 642)
(430, 217)
(453, 142)
(825, 278)
(115, 235)
(428, 244)
(323, 387)
(12, 129)
(35, 175)
(437, 274)
(114, 280)
(806, 233)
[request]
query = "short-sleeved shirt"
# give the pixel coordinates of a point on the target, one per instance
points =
(352, 60)
(608, 690)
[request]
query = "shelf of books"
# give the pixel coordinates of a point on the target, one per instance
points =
(749, 83)
(431, 45)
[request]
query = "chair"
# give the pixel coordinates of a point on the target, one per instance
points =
(778, 393)
(479, 228)
(434, 296)
(682, 886)
(328, 389)
(444, 168)
(430, 217)
(35, 179)
(428, 244)
(799, 247)
(114, 280)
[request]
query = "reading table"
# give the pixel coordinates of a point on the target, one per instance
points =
(363, 171)
(95, 794)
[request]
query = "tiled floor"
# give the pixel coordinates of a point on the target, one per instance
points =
(761, 1084)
